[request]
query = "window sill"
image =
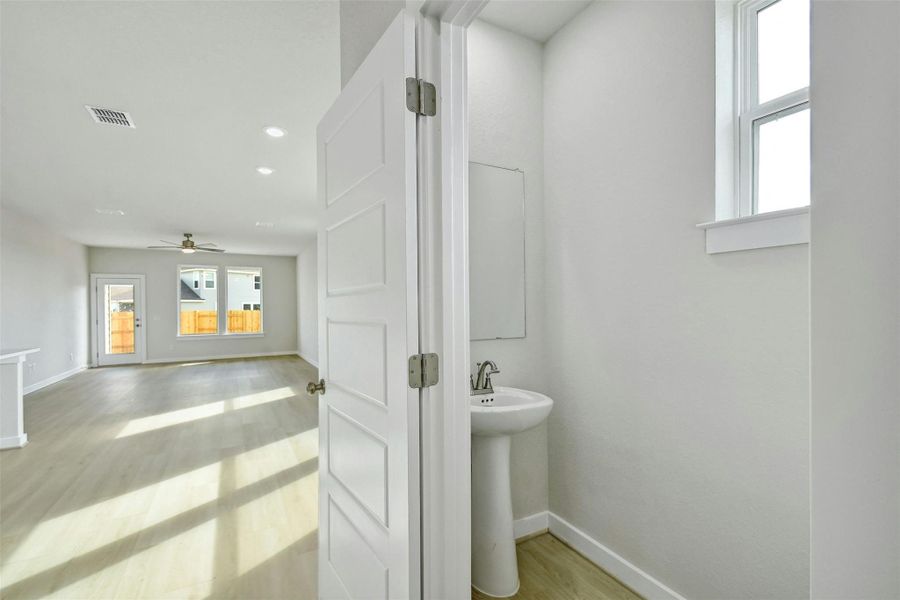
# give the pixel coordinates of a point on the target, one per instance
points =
(213, 336)
(767, 230)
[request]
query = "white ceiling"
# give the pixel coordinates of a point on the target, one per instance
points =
(201, 81)
(535, 19)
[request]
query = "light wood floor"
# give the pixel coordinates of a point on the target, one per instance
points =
(184, 480)
(550, 570)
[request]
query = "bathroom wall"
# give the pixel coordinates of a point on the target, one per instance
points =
(855, 285)
(362, 24)
(503, 65)
(680, 434)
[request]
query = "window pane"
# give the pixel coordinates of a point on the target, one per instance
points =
(197, 304)
(119, 319)
(782, 162)
(783, 48)
(244, 300)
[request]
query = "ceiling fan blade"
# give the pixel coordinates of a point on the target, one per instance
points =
(168, 242)
(165, 247)
(204, 244)
(199, 249)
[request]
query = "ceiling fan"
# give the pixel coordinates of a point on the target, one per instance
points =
(187, 246)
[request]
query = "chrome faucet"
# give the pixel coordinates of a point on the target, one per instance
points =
(482, 383)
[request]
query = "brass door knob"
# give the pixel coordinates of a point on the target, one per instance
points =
(313, 388)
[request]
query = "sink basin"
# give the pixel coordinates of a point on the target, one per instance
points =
(508, 411)
(495, 417)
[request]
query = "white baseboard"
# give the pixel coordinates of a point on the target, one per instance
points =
(530, 525)
(629, 574)
(314, 363)
(16, 441)
(184, 359)
(51, 380)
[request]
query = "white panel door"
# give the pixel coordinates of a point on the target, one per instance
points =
(368, 327)
(120, 321)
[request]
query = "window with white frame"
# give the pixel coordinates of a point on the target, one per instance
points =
(197, 304)
(762, 187)
(772, 105)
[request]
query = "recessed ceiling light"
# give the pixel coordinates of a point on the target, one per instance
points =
(275, 132)
(264, 170)
(110, 211)
(265, 224)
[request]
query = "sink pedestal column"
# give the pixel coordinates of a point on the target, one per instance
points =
(494, 569)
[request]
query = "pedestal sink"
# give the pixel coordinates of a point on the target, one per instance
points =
(495, 417)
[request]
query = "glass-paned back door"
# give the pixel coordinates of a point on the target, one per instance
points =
(119, 321)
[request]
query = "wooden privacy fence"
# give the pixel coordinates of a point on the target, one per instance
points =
(198, 321)
(244, 321)
(121, 332)
(205, 321)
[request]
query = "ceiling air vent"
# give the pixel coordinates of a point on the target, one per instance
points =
(110, 116)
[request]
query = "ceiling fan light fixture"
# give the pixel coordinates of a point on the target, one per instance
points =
(187, 246)
(275, 132)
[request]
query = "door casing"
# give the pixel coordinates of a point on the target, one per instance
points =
(444, 295)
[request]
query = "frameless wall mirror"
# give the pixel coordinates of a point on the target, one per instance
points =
(496, 252)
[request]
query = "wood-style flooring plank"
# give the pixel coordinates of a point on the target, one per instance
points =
(550, 570)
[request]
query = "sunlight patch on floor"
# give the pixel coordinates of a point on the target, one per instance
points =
(94, 526)
(155, 570)
(257, 539)
(87, 529)
(202, 411)
(265, 461)
(224, 538)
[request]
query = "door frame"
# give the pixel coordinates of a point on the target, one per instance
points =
(95, 316)
(444, 298)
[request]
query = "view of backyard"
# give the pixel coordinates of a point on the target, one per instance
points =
(199, 322)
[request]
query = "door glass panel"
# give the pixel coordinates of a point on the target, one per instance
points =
(782, 162)
(197, 301)
(119, 313)
(783, 48)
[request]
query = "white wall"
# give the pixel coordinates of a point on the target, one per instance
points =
(362, 24)
(307, 304)
(679, 438)
(160, 267)
(503, 65)
(43, 296)
(855, 284)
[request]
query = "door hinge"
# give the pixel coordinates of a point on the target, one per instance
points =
(423, 370)
(421, 97)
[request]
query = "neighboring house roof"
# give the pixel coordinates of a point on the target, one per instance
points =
(187, 293)
(121, 293)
